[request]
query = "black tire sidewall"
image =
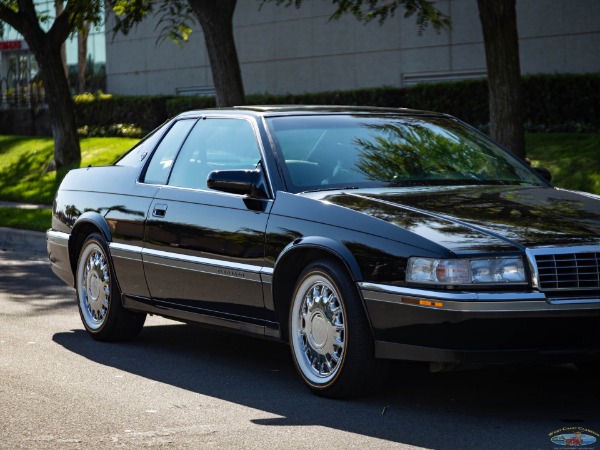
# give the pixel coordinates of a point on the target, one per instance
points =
(114, 306)
(358, 351)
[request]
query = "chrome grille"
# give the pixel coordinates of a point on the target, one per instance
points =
(578, 270)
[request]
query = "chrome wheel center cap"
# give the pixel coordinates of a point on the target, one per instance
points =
(318, 330)
(94, 285)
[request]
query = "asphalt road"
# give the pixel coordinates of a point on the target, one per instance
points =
(180, 386)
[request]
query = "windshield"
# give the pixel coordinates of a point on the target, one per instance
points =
(329, 152)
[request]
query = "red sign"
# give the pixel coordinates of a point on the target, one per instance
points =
(10, 45)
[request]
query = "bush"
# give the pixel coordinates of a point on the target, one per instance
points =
(550, 103)
(115, 130)
(562, 102)
(178, 105)
(467, 100)
(144, 112)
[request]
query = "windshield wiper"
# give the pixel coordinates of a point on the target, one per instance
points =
(332, 188)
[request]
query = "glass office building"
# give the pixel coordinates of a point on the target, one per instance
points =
(19, 69)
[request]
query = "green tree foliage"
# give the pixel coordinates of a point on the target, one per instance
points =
(366, 10)
(176, 17)
(45, 36)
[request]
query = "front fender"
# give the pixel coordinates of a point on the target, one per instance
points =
(336, 248)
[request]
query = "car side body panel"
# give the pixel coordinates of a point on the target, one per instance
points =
(119, 213)
(205, 251)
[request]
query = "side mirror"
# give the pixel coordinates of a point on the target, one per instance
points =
(242, 182)
(544, 173)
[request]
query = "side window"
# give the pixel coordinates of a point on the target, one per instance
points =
(136, 156)
(215, 144)
(164, 156)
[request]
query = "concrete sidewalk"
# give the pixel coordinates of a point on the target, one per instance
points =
(30, 242)
(4, 204)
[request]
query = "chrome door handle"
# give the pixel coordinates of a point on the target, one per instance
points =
(159, 210)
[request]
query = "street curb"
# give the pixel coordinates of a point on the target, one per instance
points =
(31, 242)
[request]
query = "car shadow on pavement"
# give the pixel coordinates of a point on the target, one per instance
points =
(30, 281)
(485, 408)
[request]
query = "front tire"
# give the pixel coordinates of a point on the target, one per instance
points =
(330, 338)
(99, 296)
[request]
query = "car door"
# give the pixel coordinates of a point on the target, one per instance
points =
(204, 250)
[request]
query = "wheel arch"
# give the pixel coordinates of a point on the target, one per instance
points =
(292, 261)
(88, 223)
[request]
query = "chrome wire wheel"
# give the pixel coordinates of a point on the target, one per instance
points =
(99, 297)
(318, 329)
(93, 286)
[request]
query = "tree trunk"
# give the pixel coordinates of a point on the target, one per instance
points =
(216, 19)
(60, 7)
(60, 104)
(82, 37)
(46, 47)
(501, 39)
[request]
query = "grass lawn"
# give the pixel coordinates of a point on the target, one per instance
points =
(24, 160)
(573, 159)
(24, 178)
(26, 219)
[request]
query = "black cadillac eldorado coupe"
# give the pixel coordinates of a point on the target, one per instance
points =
(353, 234)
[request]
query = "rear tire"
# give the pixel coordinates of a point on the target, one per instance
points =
(99, 296)
(330, 338)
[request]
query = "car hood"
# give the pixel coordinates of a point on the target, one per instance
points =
(483, 218)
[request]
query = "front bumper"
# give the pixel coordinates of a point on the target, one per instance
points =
(458, 327)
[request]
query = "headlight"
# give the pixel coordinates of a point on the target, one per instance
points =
(465, 271)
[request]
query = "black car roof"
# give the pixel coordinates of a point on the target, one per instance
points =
(291, 110)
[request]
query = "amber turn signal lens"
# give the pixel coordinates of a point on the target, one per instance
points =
(422, 302)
